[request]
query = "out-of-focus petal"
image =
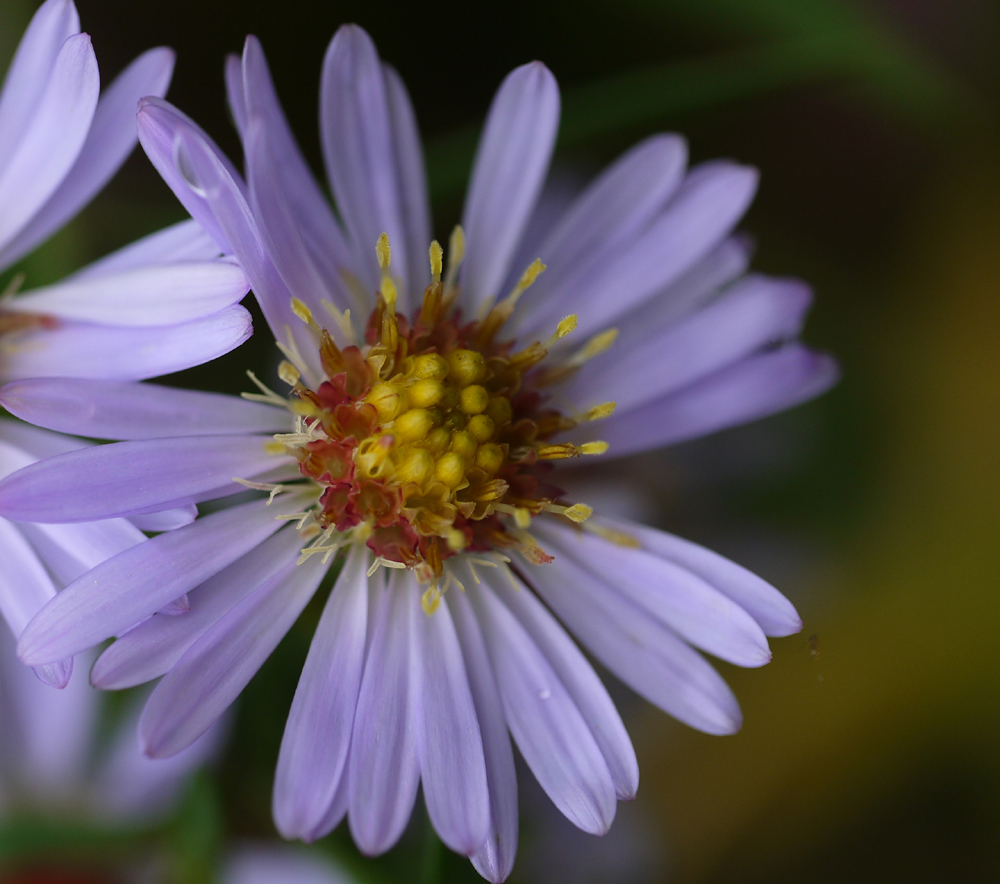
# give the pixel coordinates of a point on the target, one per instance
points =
(318, 730)
(111, 139)
(510, 166)
(76, 349)
(383, 770)
(165, 520)
(70, 550)
(216, 668)
(51, 26)
(52, 136)
(123, 410)
(269, 864)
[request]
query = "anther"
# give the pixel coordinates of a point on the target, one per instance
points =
(565, 327)
(289, 373)
(383, 251)
(436, 255)
(305, 314)
(578, 512)
(598, 412)
(593, 448)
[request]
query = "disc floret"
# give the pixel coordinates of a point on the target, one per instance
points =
(436, 437)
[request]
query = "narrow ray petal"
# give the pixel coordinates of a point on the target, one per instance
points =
(213, 672)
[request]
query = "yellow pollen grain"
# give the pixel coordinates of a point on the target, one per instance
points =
(413, 425)
(430, 601)
(480, 427)
(425, 393)
(437, 440)
(416, 467)
(593, 448)
(383, 251)
(566, 325)
(474, 399)
(450, 469)
(456, 540)
(499, 410)
(534, 270)
(436, 254)
(430, 366)
(466, 366)
(463, 443)
(489, 458)
(305, 314)
(456, 247)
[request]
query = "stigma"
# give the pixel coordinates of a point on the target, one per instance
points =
(436, 435)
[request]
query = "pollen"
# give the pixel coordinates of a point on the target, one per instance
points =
(435, 436)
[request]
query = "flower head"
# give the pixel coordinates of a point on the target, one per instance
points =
(432, 399)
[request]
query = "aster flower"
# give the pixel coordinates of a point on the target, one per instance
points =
(159, 305)
(420, 445)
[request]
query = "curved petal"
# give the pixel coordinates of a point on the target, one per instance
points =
(638, 648)
(495, 859)
(133, 585)
(159, 124)
(76, 349)
(130, 477)
(581, 682)
(449, 744)
(213, 672)
(511, 162)
(775, 614)
(318, 730)
(755, 312)
(383, 770)
(155, 645)
(236, 92)
(680, 599)
(546, 725)
(24, 583)
(753, 388)
(613, 210)
(123, 410)
(701, 214)
(21, 444)
(51, 26)
(110, 140)
(146, 296)
(184, 241)
(357, 137)
(51, 138)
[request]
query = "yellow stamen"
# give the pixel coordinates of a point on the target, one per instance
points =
(619, 538)
(383, 251)
(305, 314)
(289, 373)
(593, 448)
(578, 512)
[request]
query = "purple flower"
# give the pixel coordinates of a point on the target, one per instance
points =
(420, 445)
(162, 304)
